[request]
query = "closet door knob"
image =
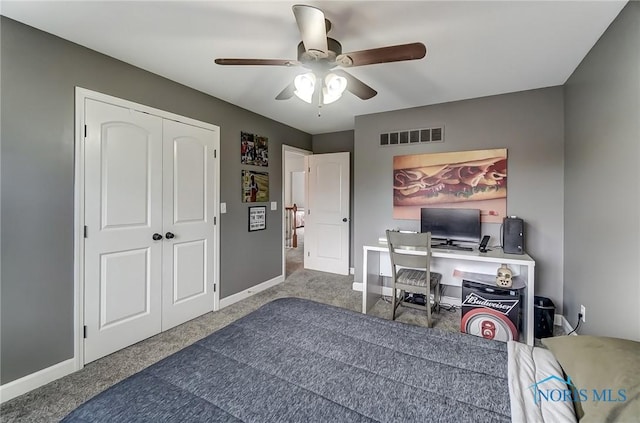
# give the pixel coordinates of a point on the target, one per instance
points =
(156, 237)
(169, 235)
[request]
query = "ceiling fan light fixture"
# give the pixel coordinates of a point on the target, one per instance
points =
(333, 88)
(305, 86)
(320, 53)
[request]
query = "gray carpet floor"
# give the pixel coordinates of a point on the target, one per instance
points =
(53, 401)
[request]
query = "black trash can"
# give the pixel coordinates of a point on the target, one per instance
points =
(544, 312)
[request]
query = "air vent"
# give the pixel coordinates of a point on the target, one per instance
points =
(412, 136)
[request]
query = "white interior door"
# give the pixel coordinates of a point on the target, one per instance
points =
(123, 211)
(326, 235)
(189, 228)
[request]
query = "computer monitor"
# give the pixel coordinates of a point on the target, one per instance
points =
(451, 225)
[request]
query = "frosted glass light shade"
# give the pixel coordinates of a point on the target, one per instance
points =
(305, 86)
(334, 86)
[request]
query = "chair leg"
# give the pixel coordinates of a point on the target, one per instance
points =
(428, 307)
(396, 302)
(436, 298)
(393, 304)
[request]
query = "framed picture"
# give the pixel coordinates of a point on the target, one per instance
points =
(460, 179)
(257, 218)
(254, 149)
(255, 186)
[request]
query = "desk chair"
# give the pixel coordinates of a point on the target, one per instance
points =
(411, 273)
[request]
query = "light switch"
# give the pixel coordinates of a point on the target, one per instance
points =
(223, 207)
(274, 205)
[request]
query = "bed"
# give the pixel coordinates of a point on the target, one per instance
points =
(296, 360)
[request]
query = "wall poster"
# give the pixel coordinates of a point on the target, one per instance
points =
(257, 218)
(254, 149)
(255, 186)
(463, 179)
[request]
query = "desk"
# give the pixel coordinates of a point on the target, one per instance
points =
(376, 266)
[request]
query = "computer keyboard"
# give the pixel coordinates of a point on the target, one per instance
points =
(451, 247)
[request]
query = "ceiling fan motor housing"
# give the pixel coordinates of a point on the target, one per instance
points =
(313, 59)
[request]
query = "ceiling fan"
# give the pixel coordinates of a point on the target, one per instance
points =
(322, 55)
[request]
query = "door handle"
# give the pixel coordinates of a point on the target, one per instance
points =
(169, 235)
(156, 237)
(344, 219)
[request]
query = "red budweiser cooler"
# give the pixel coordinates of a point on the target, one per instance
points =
(490, 311)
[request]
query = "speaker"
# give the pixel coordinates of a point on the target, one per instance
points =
(513, 235)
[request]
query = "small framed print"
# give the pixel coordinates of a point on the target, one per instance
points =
(255, 186)
(257, 218)
(254, 149)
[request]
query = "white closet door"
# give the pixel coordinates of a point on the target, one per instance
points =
(123, 211)
(188, 215)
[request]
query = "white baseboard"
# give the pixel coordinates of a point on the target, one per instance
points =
(35, 380)
(231, 299)
(559, 320)
(30, 382)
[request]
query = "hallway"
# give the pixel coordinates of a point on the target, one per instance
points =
(295, 256)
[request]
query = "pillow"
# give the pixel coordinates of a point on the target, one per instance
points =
(606, 374)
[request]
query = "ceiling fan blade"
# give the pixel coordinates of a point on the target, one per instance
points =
(355, 86)
(258, 62)
(313, 30)
(396, 53)
(287, 93)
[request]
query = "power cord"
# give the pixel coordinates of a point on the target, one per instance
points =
(445, 306)
(577, 325)
(448, 307)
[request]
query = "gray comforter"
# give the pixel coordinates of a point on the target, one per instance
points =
(295, 360)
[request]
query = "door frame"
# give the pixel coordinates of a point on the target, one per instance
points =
(299, 151)
(81, 94)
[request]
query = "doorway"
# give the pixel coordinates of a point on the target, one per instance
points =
(293, 192)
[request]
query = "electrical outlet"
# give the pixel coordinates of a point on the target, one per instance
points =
(583, 311)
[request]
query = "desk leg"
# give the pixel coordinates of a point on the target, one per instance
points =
(528, 312)
(371, 279)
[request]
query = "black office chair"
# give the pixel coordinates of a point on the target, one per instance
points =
(410, 255)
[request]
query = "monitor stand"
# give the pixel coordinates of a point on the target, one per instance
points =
(449, 245)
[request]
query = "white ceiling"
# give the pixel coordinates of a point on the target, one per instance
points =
(474, 48)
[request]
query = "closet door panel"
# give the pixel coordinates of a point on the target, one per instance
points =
(190, 180)
(188, 215)
(123, 209)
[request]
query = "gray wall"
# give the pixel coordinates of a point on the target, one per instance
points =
(38, 75)
(339, 142)
(602, 200)
(529, 124)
